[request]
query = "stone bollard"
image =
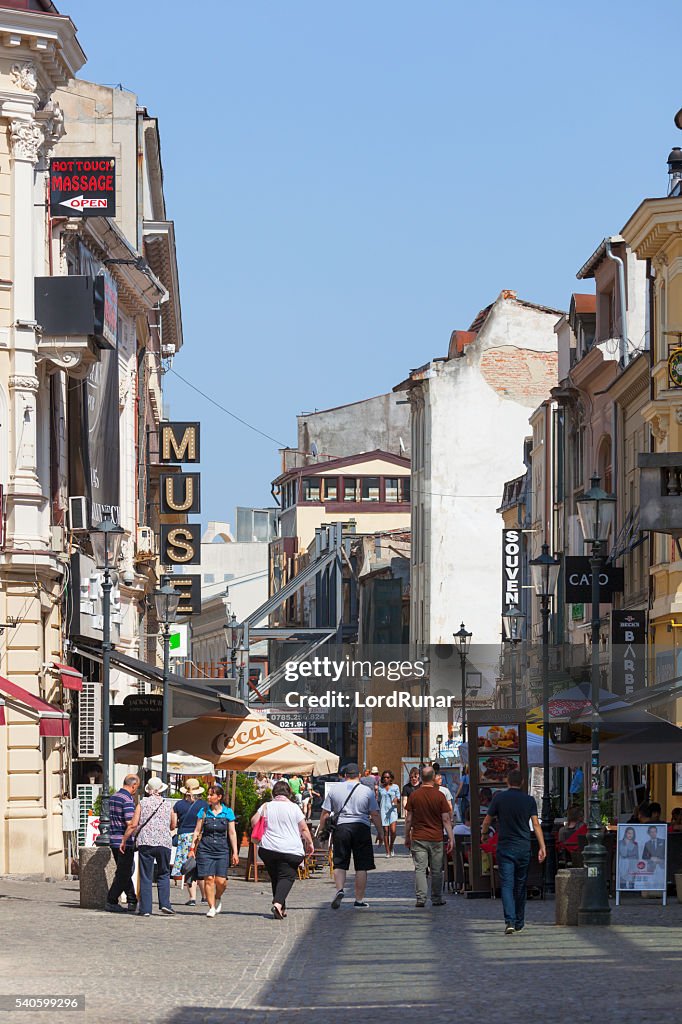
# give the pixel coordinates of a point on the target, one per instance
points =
(96, 873)
(569, 894)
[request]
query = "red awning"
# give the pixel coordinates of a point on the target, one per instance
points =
(71, 678)
(2, 712)
(52, 720)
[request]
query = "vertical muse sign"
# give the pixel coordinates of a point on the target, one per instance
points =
(179, 443)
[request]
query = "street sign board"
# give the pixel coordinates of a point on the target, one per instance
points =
(578, 575)
(83, 186)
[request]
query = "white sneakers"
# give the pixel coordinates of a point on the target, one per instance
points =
(218, 906)
(211, 912)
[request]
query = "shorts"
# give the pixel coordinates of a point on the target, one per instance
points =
(211, 863)
(356, 838)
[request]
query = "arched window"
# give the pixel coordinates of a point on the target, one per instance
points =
(604, 464)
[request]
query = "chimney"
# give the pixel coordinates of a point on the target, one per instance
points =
(675, 171)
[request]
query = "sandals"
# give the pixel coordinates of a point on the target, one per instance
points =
(278, 914)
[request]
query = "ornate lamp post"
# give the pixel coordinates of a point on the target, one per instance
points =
(166, 600)
(544, 574)
(596, 510)
(106, 547)
(513, 620)
(463, 641)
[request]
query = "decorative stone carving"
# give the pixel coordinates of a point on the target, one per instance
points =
(678, 414)
(25, 138)
(17, 383)
(52, 119)
(659, 426)
(24, 76)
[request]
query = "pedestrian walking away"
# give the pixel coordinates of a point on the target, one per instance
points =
(388, 796)
(121, 811)
(187, 811)
(428, 817)
(153, 821)
(353, 806)
(284, 843)
(514, 809)
(215, 825)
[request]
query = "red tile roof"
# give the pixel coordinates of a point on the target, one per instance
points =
(458, 341)
(582, 303)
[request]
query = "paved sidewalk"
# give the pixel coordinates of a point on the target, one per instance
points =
(385, 964)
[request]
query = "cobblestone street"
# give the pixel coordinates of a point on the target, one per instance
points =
(383, 964)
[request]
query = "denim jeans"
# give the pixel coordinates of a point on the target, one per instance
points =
(513, 861)
(148, 856)
(426, 854)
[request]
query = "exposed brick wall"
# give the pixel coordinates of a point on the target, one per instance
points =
(522, 375)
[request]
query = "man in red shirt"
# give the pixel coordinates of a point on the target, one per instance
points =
(428, 816)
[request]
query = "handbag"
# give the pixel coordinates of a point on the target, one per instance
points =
(258, 830)
(189, 866)
(332, 822)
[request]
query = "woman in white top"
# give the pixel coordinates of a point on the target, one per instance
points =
(153, 821)
(282, 846)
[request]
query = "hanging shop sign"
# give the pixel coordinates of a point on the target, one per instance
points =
(628, 651)
(181, 545)
(578, 575)
(180, 493)
(83, 186)
(179, 442)
(511, 569)
(106, 308)
(189, 588)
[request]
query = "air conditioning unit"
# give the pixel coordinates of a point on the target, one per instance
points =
(145, 541)
(78, 514)
(86, 796)
(90, 720)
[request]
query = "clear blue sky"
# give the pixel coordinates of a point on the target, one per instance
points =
(352, 181)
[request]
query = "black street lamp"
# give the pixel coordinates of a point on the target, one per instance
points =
(106, 547)
(439, 743)
(463, 640)
(234, 635)
(545, 573)
(596, 511)
(513, 620)
(166, 600)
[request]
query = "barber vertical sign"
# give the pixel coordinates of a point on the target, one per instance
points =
(628, 651)
(511, 569)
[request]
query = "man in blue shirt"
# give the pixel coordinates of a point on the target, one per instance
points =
(121, 810)
(516, 812)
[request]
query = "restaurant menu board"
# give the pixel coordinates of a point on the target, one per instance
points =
(497, 745)
(641, 859)
(498, 753)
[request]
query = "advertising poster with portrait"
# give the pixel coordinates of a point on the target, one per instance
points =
(641, 858)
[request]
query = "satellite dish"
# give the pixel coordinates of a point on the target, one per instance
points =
(313, 449)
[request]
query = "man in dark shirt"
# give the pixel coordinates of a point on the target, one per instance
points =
(409, 787)
(514, 809)
(428, 817)
(121, 810)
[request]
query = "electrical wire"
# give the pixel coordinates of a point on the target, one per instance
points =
(256, 430)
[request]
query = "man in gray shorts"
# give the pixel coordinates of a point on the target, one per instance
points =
(353, 834)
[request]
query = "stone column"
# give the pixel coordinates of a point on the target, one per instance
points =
(25, 501)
